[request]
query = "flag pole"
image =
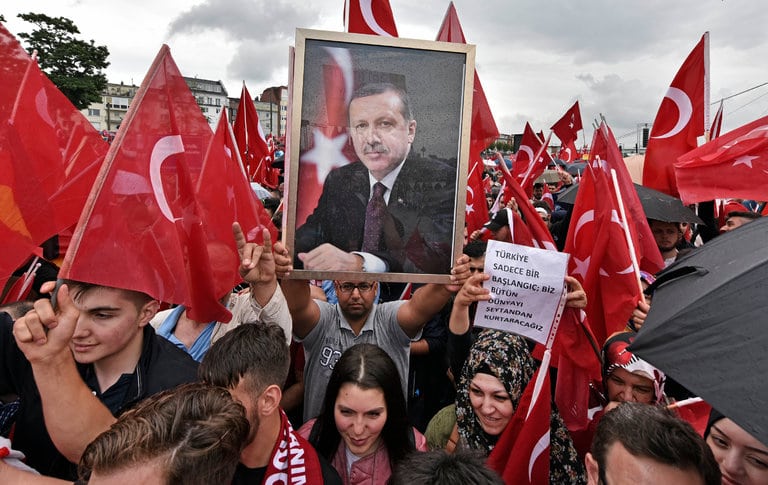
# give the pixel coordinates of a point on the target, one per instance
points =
(544, 366)
(627, 235)
(707, 121)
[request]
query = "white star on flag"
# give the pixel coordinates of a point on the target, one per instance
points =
(744, 160)
(469, 209)
(582, 266)
(326, 154)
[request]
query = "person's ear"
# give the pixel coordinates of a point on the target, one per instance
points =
(411, 131)
(270, 400)
(593, 470)
(148, 311)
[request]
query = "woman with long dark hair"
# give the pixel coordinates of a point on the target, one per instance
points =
(363, 428)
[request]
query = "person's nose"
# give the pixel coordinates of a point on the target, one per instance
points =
(82, 328)
(487, 406)
(626, 394)
(732, 463)
(358, 426)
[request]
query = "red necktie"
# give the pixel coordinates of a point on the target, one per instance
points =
(374, 219)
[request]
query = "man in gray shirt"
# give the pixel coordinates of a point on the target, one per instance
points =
(328, 330)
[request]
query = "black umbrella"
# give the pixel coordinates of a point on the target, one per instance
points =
(708, 325)
(576, 168)
(656, 205)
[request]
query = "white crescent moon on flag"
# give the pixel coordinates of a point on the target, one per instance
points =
(570, 155)
(540, 447)
(586, 217)
(528, 151)
(471, 192)
(41, 103)
(343, 59)
(367, 10)
(164, 148)
(684, 107)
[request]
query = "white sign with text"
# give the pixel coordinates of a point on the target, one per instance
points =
(526, 285)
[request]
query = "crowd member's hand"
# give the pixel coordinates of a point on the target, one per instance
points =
(257, 264)
(44, 334)
(459, 274)
(640, 313)
(283, 263)
(327, 257)
(473, 290)
(576, 296)
(512, 204)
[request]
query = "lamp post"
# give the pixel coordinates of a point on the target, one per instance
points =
(109, 121)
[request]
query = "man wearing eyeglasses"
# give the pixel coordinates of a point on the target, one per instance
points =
(392, 211)
(327, 330)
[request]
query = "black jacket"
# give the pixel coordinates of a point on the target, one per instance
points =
(161, 366)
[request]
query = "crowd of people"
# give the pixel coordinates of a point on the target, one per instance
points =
(338, 381)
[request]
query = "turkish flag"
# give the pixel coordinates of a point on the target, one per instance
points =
(695, 413)
(605, 153)
(329, 147)
(254, 151)
(567, 129)
(477, 207)
(484, 130)
(531, 160)
(521, 455)
(142, 228)
(733, 165)
(599, 256)
(43, 186)
(574, 352)
(679, 121)
(372, 17)
(224, 195)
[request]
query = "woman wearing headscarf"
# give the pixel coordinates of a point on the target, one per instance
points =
(742, 458)
(492, 382)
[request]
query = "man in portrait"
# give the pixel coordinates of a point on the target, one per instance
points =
(390, 211)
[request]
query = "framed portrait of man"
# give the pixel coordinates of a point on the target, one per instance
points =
(378, 149)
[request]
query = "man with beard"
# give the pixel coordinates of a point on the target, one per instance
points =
(252, 362)
(667, 236)
(328, 330)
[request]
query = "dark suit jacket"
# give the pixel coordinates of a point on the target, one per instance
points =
(419, 235)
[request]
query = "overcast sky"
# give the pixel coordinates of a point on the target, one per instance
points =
(535, 58)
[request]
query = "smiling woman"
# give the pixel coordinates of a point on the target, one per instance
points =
(492, 382)
(363, 428)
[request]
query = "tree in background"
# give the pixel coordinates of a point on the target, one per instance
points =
(75, 66)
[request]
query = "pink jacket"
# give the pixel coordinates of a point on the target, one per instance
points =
(373, 469)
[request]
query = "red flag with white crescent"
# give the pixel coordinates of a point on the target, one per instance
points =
(49, 158)
(606, 154)
(373, 17)
(330, 147)
(733, 165)
(567, 130)
(679, 121)
(477, 207)
(142, 228)
(484, 130)
(600, 258)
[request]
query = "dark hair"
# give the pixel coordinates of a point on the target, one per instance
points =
(78, 289)
(475, 249)
(543, 205)
(254, 352)
(437, 467)
(745, 215)
(373, 89)
(195, 431)
(655, 433)
(17, 309)
(368, 367)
